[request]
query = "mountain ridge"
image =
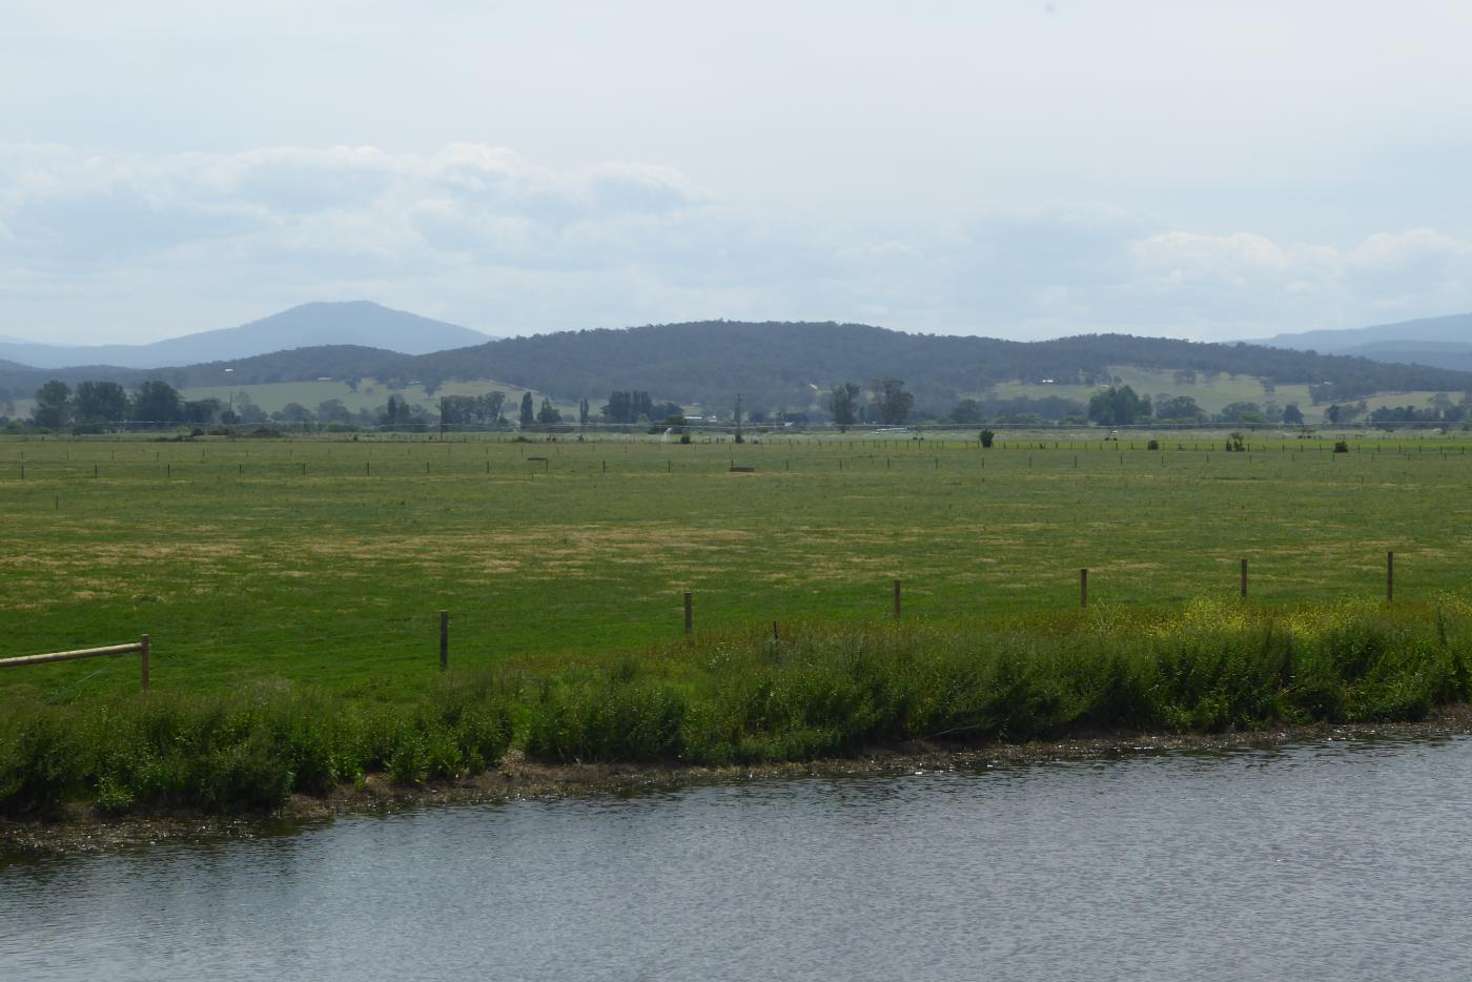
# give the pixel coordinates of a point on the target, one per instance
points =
(779, 364)
(315, 324)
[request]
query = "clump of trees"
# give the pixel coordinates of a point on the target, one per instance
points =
(481, 410)
(637, 407)
(890, 404)
(1119, 406)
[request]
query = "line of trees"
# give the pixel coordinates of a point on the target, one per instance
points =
(885, 401)
(107, 403)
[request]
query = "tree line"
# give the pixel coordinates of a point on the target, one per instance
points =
(97, 404)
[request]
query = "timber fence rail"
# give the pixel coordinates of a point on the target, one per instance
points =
(139, 648)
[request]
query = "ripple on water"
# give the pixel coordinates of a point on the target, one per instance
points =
(1343, 860)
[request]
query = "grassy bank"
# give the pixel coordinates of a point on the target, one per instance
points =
(825, 690)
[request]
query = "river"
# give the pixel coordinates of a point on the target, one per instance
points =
(1337, 861)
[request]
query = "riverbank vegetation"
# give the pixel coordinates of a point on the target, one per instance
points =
(819, 690)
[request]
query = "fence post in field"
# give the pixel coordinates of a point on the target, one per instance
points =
(444, 640)
(143, 648)
(1244, 579)
(896, 599)
(1083, 587)
(1389, 577)
(689, 617)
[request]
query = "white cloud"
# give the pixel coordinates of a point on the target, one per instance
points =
(131, 246)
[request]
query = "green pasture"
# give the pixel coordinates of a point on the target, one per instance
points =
(1212, 393)
(325, 561)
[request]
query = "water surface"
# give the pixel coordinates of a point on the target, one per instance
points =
(1345, 861)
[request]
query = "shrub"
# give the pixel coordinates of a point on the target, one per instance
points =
(1341, 446)
(818, 691)
(987, 437)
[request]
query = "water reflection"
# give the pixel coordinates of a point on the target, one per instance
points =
(1339, 861)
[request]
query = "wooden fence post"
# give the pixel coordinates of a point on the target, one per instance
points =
(143, 649)
(689, 616)
(1244, 579)
(896, 599)
(1083, 587)
(1389, 577)
(444, 640)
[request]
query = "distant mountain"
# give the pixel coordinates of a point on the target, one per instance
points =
(358, 323)
(1440, 354)
(1442, 342)
(780, 364)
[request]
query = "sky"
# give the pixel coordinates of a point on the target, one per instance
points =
(1013, 169)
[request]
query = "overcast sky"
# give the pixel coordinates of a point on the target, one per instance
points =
(1019, 169)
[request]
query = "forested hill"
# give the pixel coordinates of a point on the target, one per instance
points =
(778, 364)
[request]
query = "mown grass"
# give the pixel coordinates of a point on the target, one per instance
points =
(823, 690)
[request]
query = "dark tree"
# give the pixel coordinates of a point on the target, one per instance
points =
(333, 411)
(1178, 409)
(1118, 406)
(892, 402)
(491, 405)
(157, 402)
(101, 402)
(53, 405)
(966, 411)
(843, 403)
(528, 410)
(397, 413)
(203, 411)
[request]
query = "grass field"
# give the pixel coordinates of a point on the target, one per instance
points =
(325, 562)
(1213, 393)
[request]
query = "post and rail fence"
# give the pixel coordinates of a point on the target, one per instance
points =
(141, 647)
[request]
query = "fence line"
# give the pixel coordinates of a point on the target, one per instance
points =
(142, 646)
(139, 647)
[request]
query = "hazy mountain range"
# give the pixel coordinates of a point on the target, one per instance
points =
(1443, 342)
(772, 364)
(358, 322)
